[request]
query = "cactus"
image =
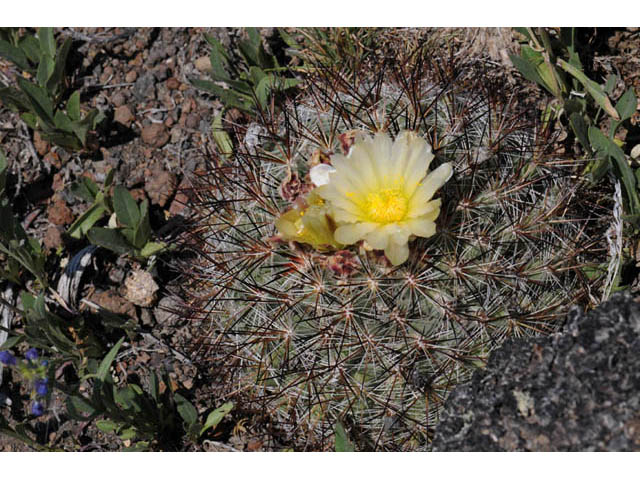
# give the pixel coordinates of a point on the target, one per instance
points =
(313, 335)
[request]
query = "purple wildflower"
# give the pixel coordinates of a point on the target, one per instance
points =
(37, 409)
(31, 354)
(7, 358)
(41, 387)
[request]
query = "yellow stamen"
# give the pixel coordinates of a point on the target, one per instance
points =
(386, 206)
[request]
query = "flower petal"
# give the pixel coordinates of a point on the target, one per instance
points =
(417, 209)
(320, 174)
(397, 253)
(353, 232)
(421, 227)
(430, 185)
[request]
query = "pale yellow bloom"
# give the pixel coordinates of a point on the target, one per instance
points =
(381, 193)
(309, 224)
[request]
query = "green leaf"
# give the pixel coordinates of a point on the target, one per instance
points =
(142, 232)
(39, 99)
(103, 369)
(222, 139)
(152, 248)
(215, 417)
(624, 173)
(15, 100)
(106, 426)
(186, 410)
(527, 68)
(288, 39)
(580, 128)
(47, 43)
(342, 440)
(85, 189)
(218, 59)
(610, 84)
(63, 122)
(109, 179)
(45, 69)
(154, 388)
(76, 404)
(627, 105)
(14, 55)
(31, 47)
(12, 342)
(592, 87)
(55, 85)
(128, 433)
(88, 219)
(73, 106)
(109, 239)
(600, 168)
(125, 207)
(228, 97)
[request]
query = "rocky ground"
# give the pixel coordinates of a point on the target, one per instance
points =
(156, 137)
(576, 391)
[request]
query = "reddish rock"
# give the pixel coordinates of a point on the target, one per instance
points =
(131, 76)
(173, 83)
(112, 301)
(160, 186)
(123, 115)
(58, 212)
(155, 135)
(58, 182)
(53, 238)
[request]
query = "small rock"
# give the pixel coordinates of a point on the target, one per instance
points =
(160, 186)
(176, 134)
(161, 72)
(173, 83)
(145, 317)
(58, 212)
(123, 115)
(112, 301)
(143, 89)
(203, 64)
(155, 135)
(118, 99)
(165, 311)
(140, 288)
(53, 238)
(131, 76)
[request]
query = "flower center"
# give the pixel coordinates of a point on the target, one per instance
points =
(386, 206)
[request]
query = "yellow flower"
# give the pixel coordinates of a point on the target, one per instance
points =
(381, 193)
(309, 224)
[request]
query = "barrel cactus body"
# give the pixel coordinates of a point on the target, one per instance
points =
(315, 332)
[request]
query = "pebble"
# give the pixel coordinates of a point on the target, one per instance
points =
(140, 288)
(131, 76)
(144, 89)
(58, 212)
(203, 64)
(173, 83)
(118, 99)
(155, 135)
(123, 115)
